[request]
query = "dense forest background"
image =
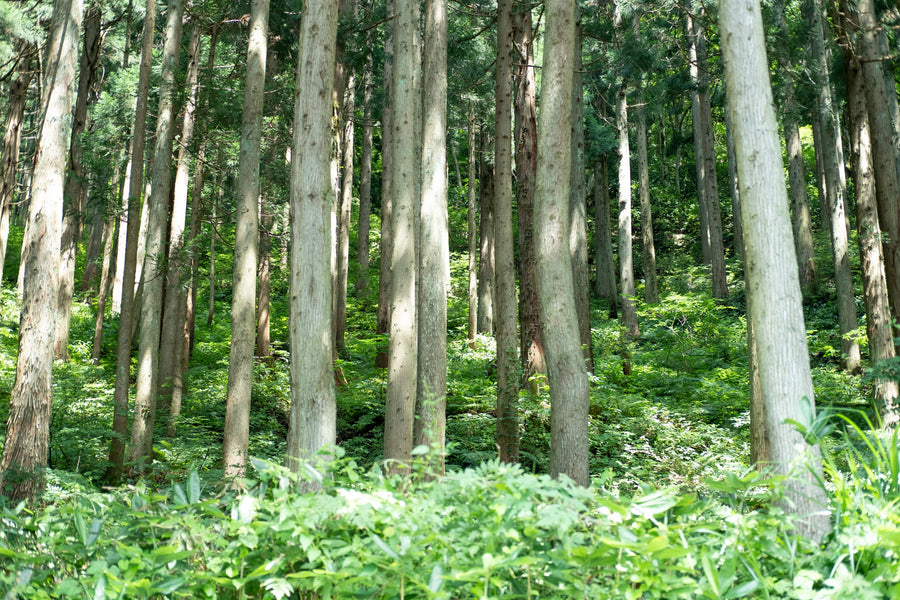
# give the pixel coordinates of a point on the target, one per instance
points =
(448, 300)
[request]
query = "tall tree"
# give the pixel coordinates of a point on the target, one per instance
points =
(243, 304)
(651, 289)
(383, 315)
(152, 273)
(313, 405)
(569, 392)
(434, 240)
(626, 260)
(605, 283)
(486, 283)
(345, 204)
(28, 425)
(128, 257)
(401, 385)
(773, 285)
(471, 232)
(365, 179)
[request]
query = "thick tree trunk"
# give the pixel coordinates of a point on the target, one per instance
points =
(12, 141)
(243, 304)
(878, 309)
(505, 269)
(128, 256)
(28, 426)
(837, 190)
(434, 242)
(401, 384)
(651, 290)
(383, 316)
(75, 181)
(773, 285)
(172, 333)
(141, 451)
(626, 264)
(346, 204)
(578, 242)
(472, 233)
(605, 282)
(532, 346)
(569, 392)
(365, 184)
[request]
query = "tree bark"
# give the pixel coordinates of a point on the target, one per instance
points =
(401, 384)
(28, 424)
(878, 309)
(531, 346)
(103, 292)
(773, 285)
(383, 316)
(346, 204)
(626, 264)
(152, 274)
(243, 305)
(264, 275)
(365, 183)
(605, 283)
(128, 257)
(471, 232)
(434, 242)
(651, 289)
(486, 242)
(569, 392)
(313, 405)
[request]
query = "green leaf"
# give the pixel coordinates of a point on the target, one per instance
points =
(68, 588)
(193, 489)
(169, 585)
(81, 527)
(746, 588)
(384, 547)
(420, 450)
(180, 496)
(436, 579)
(94, 532)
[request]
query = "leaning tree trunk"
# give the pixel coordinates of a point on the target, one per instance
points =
(313, 405)
(28, 425)
(773, 285)
(243, 305)
(152, 274)
(569, 392)
(128, 257)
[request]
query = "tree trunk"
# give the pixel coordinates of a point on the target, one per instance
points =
(346, 204)
(505, 269)
(129, 256)
(76, 176)
(313, 409)
(605, 283)
(434, 242)
(172, 333)
(92, 259)
(773, 285)
(103, 293)
(264, 275)
(837, 191)
(213, 221)
(28, 425)
(626, 264)
(569, 392)
(152, 274)
(578, 243)
(734, 190)
(365, 183)
(471, 233)
(532, 347)
(243, 305)
(651, 291)
(486, 238)
(401, 384)
(383, 317)
(12, 141)
(878, 309)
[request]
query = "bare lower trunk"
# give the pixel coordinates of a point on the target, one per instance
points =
(346, 204)
(103, 293)
(651, 291)
(605, 283)
(486, 255)
(365, 185)
(387, 191)
(626, 265)
(263, 275)
(472, 234)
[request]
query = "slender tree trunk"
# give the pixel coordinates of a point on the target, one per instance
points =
(28, 426)
(651, 291)
(346, 204)
(129, 256)
(486, 253)
(569, 392)
(401, 384)
(313, 406)
(151, 304)
(878, 309)
(434, 241)
(103, 293)
(532, 347)
(734, 190)
(365, 183)
(472, 233)
(626, 265)
(578, 243)
(213, 221)
(190, 305)
(243, 305)
(92, 258)
(383, 317)
(773, 284)
(75, 182)
(12, 141)
(699, 139)
(172, 333)
(263, 274)
(605, 283)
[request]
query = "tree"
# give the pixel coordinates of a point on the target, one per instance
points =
(773, 285)
(28, 425)
(313, 405)
(365, 180)
(472, 232)
(505, 270)
(243, 304)
(383, 316)
(434, 251)
(569, 392)
(152, 274)
(626, 264)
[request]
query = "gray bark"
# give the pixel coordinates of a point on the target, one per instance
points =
(626, 264)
